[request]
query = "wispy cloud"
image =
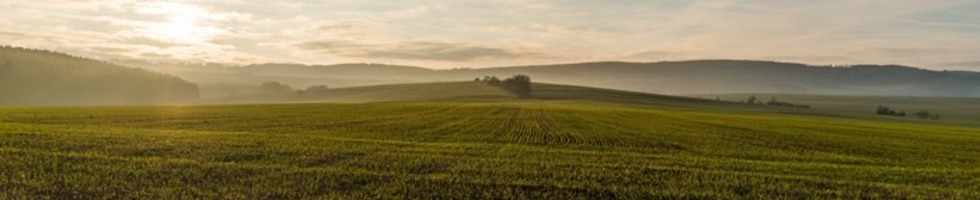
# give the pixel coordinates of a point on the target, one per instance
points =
(417, 50)
(443, 33)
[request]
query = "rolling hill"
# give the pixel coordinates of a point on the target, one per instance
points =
(35, 77)
(465, 91)
(955, 111)
(733, 76)
(683, 77)
(379, 93)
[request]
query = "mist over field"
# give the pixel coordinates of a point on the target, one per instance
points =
(674, 77)
(515, 99)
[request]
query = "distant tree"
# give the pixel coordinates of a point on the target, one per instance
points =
(275, 87)
(493, 80)
(884, 110)
(775, 102)
(923, 114)
(519, 85)
(927, 115)
(750, 100)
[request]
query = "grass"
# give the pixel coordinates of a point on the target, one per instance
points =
(953, 110)
(534, 149)
(381, 93)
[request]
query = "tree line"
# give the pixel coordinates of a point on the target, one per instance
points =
(275, 87)
(884, 110)
(772, 102)
(519, 84)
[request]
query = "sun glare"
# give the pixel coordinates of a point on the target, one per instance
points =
(177, 27)
(181, 22)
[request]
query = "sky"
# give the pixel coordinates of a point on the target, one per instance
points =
(935, 34)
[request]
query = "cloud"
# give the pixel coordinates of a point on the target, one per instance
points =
(417, 50)
(652, 55)
(906, 52)
(355, 28)
(147, 41)
(113, 50)
(156, 55)
(970, 64)
(20, 38)
(12, 34)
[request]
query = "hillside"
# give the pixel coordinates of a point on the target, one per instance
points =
(953, 110)
(731, 76)
(379, 93)
(684, 77)
(220, 80)
(468, 91)
(34, 77)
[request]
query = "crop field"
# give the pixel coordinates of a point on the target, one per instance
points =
(553, 149)
(953, 110)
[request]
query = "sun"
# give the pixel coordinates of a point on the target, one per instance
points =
(178, 27)
(181, 23)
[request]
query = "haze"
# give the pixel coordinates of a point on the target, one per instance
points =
(449, 34)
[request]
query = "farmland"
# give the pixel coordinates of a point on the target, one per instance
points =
(954, 110)
(617, 145)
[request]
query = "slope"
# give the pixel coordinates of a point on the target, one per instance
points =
(379, 93)
(34, 77)
(472, 91)
(681, 77)
(416, 92)
(962, 111)
(954, 111)
(737, 76)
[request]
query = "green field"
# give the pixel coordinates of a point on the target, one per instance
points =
(570, 143)
(953, 110)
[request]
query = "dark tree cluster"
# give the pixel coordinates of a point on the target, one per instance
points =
(927, 115)
(773, 102)
(518, 84)
(751, 100)
(275, 87)
(490, 80)
(883, 110)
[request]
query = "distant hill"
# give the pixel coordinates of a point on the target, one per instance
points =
(220, 80)
(682, 77)
(471, 91)
(35, 77)
(953, 110)
(380, 93)
(731, 76)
